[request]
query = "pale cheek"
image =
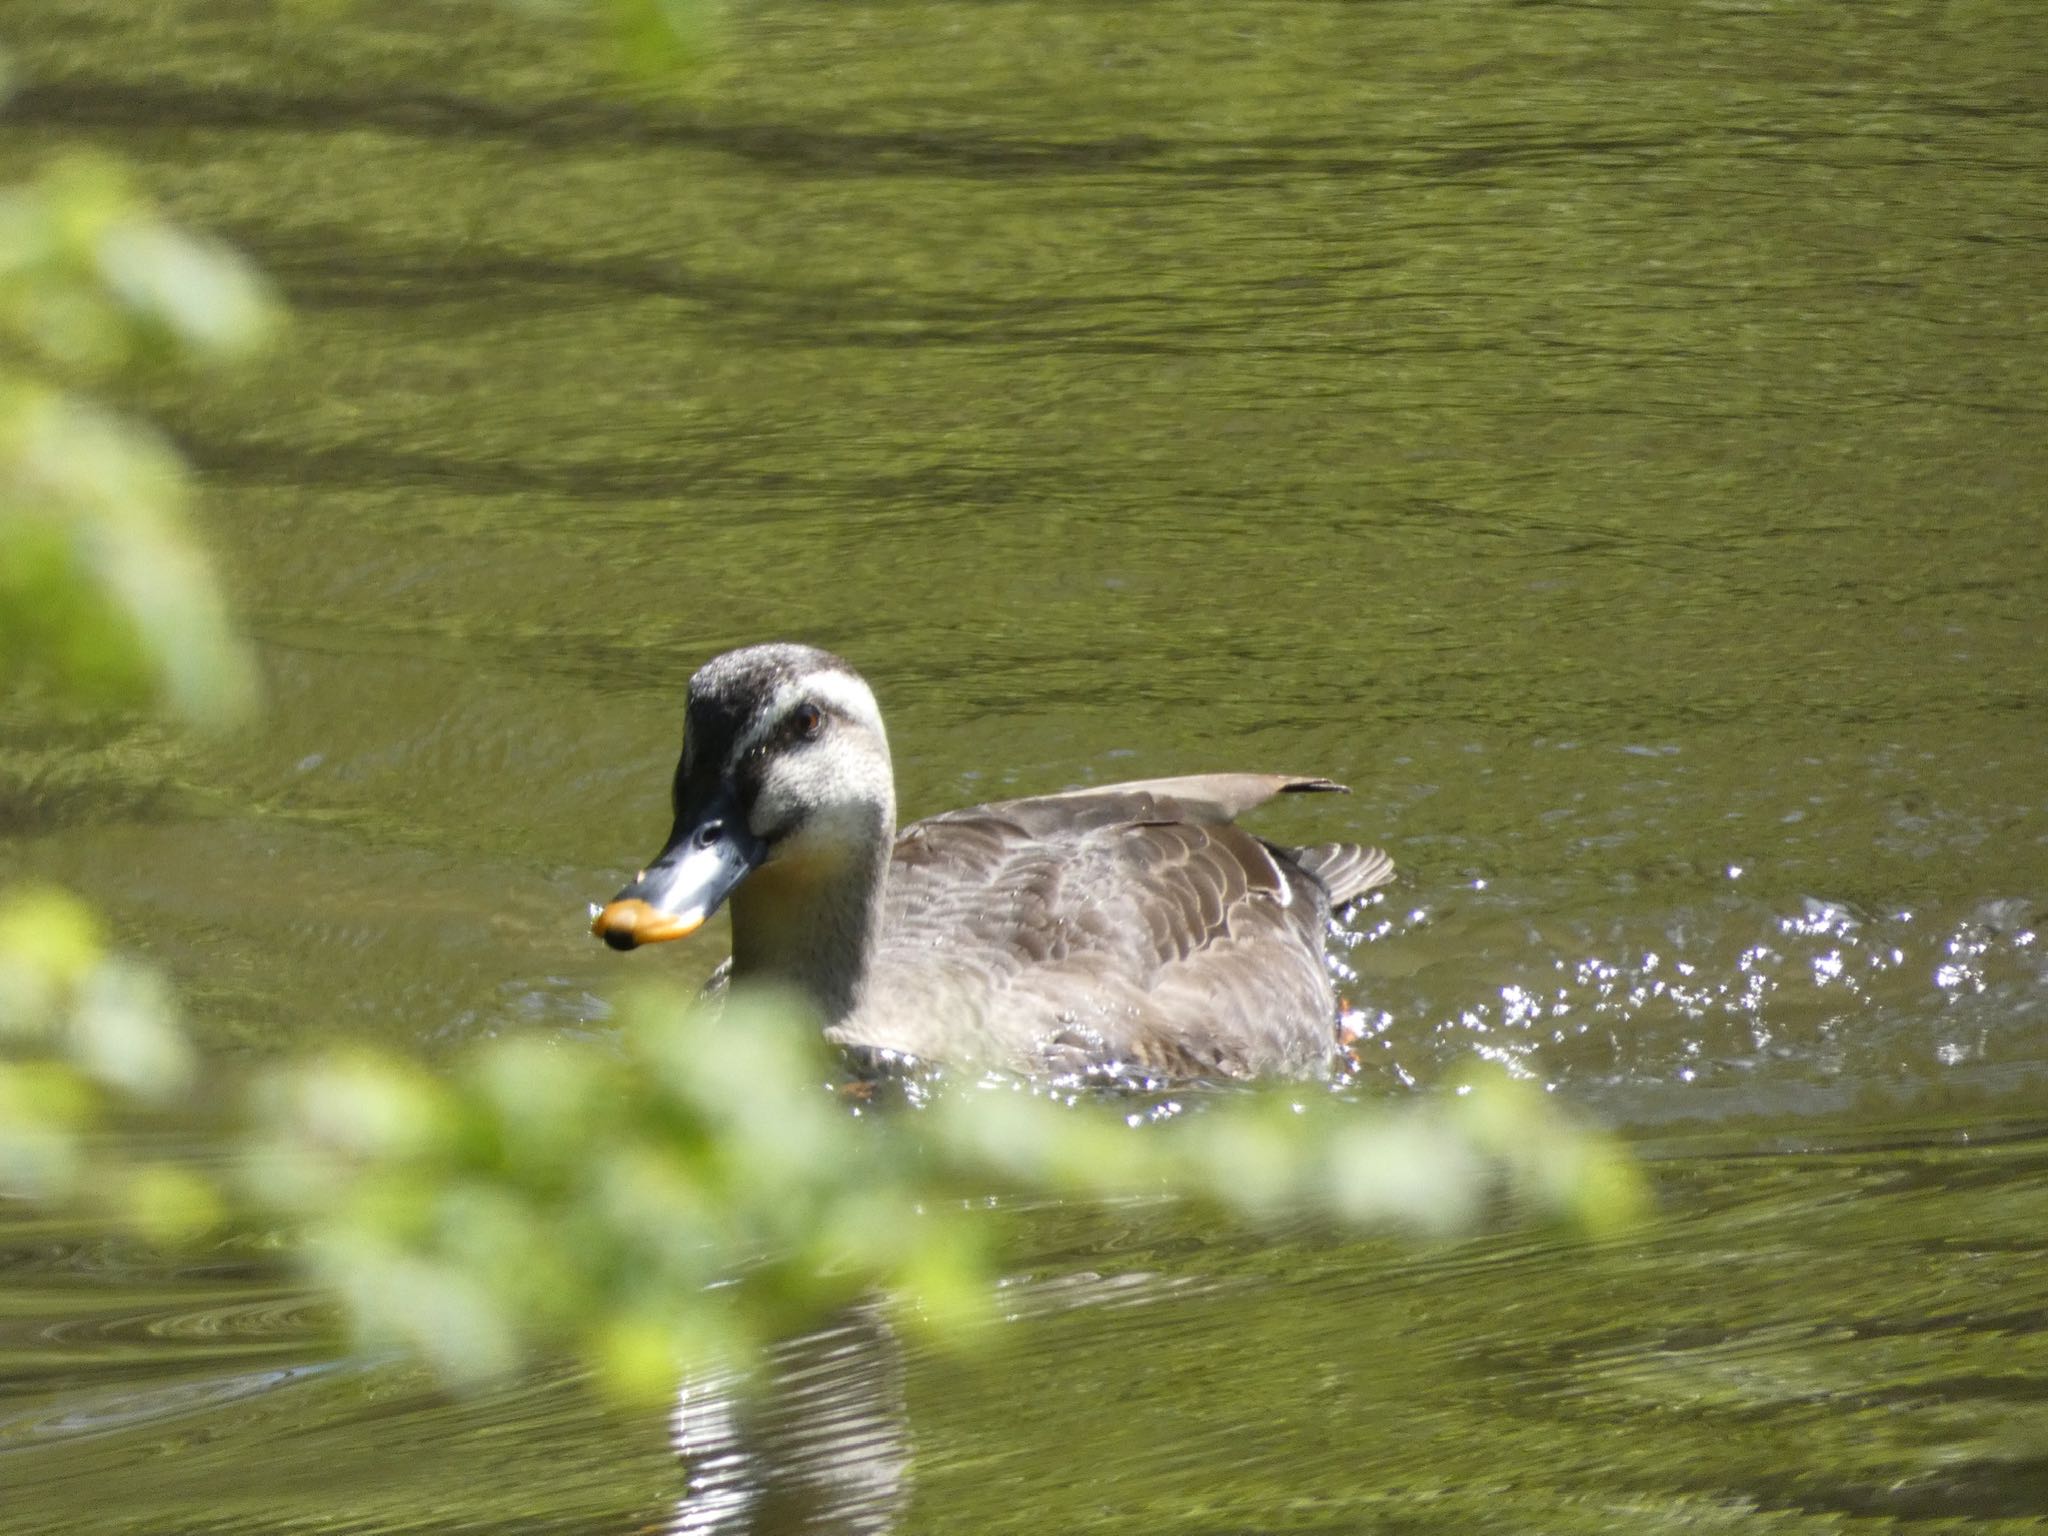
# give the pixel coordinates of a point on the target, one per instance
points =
(828, 834)
(789, 795)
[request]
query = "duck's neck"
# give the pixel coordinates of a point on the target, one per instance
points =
(809, 920)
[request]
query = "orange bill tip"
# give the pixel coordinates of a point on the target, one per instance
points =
(628, 924)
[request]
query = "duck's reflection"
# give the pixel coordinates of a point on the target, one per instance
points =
(819, 1444)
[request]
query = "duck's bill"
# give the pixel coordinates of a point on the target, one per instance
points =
(671, 899)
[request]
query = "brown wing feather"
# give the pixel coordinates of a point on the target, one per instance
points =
(1117, 925)
(1346, 870)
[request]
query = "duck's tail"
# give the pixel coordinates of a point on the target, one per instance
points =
(1346, 870)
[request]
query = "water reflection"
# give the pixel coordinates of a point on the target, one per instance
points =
(819, 1443)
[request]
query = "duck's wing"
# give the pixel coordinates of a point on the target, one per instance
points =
(1199, 796)
(1346, 870)
(1132, 924)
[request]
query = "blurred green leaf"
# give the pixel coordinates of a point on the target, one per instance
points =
(44, 1106)
(658, 41)
(1552, 1164)
(114, 1020)
(93, 280)
(105, 597)
(49, 943)
(103, 591)
(170, 1206)
(634, 1357)
(362, 1107)
(441, 1313)
(200, 298)
(125, 1033)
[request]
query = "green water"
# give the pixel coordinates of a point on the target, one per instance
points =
(1611, 438)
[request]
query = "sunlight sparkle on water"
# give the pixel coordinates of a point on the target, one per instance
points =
(1722, 993)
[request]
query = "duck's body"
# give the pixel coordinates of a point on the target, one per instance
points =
(1133, 925)
(1132, 928)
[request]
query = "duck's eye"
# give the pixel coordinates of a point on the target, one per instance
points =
(807, 720)
(709, 834)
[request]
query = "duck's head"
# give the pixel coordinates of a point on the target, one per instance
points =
(785, 766)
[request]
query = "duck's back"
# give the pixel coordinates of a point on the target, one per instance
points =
(1134, 924)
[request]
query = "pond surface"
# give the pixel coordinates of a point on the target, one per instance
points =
(1612, 439)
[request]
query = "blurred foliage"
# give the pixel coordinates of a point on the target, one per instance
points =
(84, 1033)
(106, 602)
(660, 41)
(683, 1193)
(105, 597)
(704, 1188)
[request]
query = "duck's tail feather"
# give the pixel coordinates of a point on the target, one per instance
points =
(1346, 870)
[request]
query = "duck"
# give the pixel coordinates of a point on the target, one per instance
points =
(1129, 930)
